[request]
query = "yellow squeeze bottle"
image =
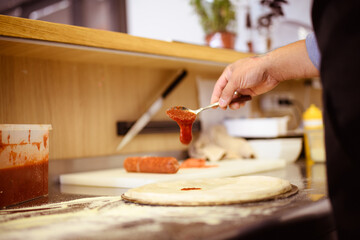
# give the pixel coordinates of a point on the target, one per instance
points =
(313, 135)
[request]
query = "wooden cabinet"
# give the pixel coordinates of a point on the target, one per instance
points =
(83, 80)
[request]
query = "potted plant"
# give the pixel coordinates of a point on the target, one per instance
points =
(217, 18)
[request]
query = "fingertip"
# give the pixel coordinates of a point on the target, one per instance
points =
(222, 103)
(235, 106)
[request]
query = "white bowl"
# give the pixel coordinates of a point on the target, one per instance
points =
(288, 149)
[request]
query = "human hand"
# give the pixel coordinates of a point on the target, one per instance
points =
(248, 76)
(256, 75)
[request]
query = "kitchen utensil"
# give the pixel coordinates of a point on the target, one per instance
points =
(118, 177)
(145, 118)
(242, 98)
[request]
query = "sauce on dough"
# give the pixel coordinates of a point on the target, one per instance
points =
(190, 188)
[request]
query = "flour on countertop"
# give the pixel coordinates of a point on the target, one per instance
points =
(84, 218)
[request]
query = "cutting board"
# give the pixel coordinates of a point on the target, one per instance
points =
(120, 178)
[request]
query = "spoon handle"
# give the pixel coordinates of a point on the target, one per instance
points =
(207, 107)
(242, 98)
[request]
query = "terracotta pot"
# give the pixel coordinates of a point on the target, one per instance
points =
(221, 40)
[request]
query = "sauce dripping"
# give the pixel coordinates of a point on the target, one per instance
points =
(185, 120)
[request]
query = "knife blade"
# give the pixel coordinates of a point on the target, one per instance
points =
(154, 108)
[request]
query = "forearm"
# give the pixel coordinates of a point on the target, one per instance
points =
(257, 75)
(290, 62)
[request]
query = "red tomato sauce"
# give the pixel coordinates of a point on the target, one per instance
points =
(22, 183)
(192, 188)
(185, 120)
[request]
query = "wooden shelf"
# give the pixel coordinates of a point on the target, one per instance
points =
(25, 37)
(83, 81)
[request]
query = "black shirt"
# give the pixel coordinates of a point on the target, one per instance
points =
(337, 29)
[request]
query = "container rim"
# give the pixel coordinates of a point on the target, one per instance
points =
(21, 127)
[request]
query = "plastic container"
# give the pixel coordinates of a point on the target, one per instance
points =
(314, 135)
(257, 127)
(24, 156)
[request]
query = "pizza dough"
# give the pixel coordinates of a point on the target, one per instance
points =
(218, 191)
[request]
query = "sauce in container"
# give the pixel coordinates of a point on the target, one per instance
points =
(185, 120)
(24, 157)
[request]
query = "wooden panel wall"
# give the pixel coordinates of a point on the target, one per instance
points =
(83, 101)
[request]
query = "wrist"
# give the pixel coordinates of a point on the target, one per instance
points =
(269, 66)
(273, 66)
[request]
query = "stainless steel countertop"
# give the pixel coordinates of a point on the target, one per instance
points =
(307, 212)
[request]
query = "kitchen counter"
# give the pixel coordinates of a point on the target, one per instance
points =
(74, 212)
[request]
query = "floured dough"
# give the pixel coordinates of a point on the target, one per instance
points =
(218, 191)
